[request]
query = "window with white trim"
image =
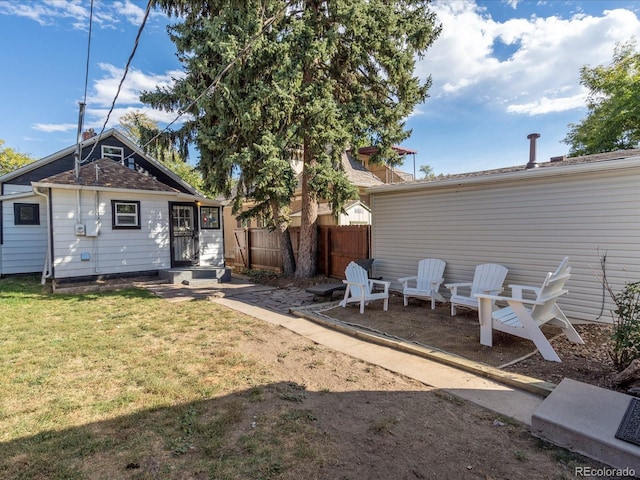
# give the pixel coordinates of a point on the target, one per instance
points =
(125, 214)
(114, 153)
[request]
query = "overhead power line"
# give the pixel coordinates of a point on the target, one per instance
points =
(124, 76)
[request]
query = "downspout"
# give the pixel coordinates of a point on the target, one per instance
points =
(96, 242)
(46, 270)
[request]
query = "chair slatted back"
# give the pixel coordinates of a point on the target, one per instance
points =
(488, 277)
(355, 273)
(552, 288)
(429, 269)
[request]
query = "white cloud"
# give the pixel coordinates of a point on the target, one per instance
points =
(133, 13)
(55, 127)
(105, 88)
(542, 73)
(49, 12)
(548, 105)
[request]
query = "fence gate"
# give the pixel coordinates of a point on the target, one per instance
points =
(241, 252)
(339, 245)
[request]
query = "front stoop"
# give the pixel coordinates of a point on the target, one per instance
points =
(584, 418)
(196, 275)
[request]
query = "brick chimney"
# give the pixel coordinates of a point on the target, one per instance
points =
(88, 134)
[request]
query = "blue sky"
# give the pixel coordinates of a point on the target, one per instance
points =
(501, 70)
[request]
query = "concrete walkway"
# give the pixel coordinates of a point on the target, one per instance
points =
(273, 305)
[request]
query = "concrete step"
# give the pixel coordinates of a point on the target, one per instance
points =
(584, 418)
(193, 275)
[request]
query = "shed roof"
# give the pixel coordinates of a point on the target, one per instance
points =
(557, 166)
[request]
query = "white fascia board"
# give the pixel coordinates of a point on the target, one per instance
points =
(541, 172)
(15, 196)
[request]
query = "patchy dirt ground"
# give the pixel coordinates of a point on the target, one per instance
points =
(375, 424)
(346, 419)
(589, 363)
(364, 422)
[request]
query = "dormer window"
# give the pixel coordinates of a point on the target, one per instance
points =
(114, 153)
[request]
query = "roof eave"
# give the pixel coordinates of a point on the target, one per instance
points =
(98, 188)
(545, 172)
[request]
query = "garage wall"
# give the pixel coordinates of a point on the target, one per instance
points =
(527, 222)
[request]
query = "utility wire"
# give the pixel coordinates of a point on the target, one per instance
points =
(86, 74)
(124, 76)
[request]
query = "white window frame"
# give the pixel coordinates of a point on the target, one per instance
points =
(117, 217)
(112, 152)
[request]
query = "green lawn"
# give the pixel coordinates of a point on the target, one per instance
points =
(125, 385)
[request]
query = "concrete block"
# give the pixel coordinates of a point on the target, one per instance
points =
(584, 418)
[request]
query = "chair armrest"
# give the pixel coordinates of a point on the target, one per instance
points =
(518, 289)
(386, 284)
(464, 284)
(405, 280)
(491, 291)
(454, 287)
(353, 283)
(482, 296)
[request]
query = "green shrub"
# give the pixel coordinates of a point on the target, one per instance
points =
(626, 326)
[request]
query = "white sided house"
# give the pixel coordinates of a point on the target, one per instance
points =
(121, 212)
(527, 219)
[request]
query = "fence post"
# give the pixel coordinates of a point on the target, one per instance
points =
(247, 242)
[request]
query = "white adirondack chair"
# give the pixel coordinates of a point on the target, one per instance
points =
(361, 289)
(524, 318)
(427, 282)
(488, 279)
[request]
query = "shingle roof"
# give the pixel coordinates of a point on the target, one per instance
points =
(108, 173)
(555, 162)
(358, 173)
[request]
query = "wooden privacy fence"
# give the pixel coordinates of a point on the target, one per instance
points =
(259, 248)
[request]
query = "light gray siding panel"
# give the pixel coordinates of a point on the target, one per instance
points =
(9, 188)
(526, 225)
(211, 248)
(112, 251)
(25, 246)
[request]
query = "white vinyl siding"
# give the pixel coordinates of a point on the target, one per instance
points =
(112, 251)
(357, 214)
(211, 248)
(24, 246)
(526, 224)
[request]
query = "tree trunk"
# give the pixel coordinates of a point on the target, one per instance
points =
(284, 240)
(286, 250)
(308, 248)
(631, 374)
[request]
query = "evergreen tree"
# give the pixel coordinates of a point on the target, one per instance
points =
(266, 79)
(613, 119)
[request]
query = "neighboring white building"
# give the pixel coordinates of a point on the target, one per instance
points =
(585, 208)
(120, 212)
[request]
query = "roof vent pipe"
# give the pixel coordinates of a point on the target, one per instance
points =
(532, 150)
